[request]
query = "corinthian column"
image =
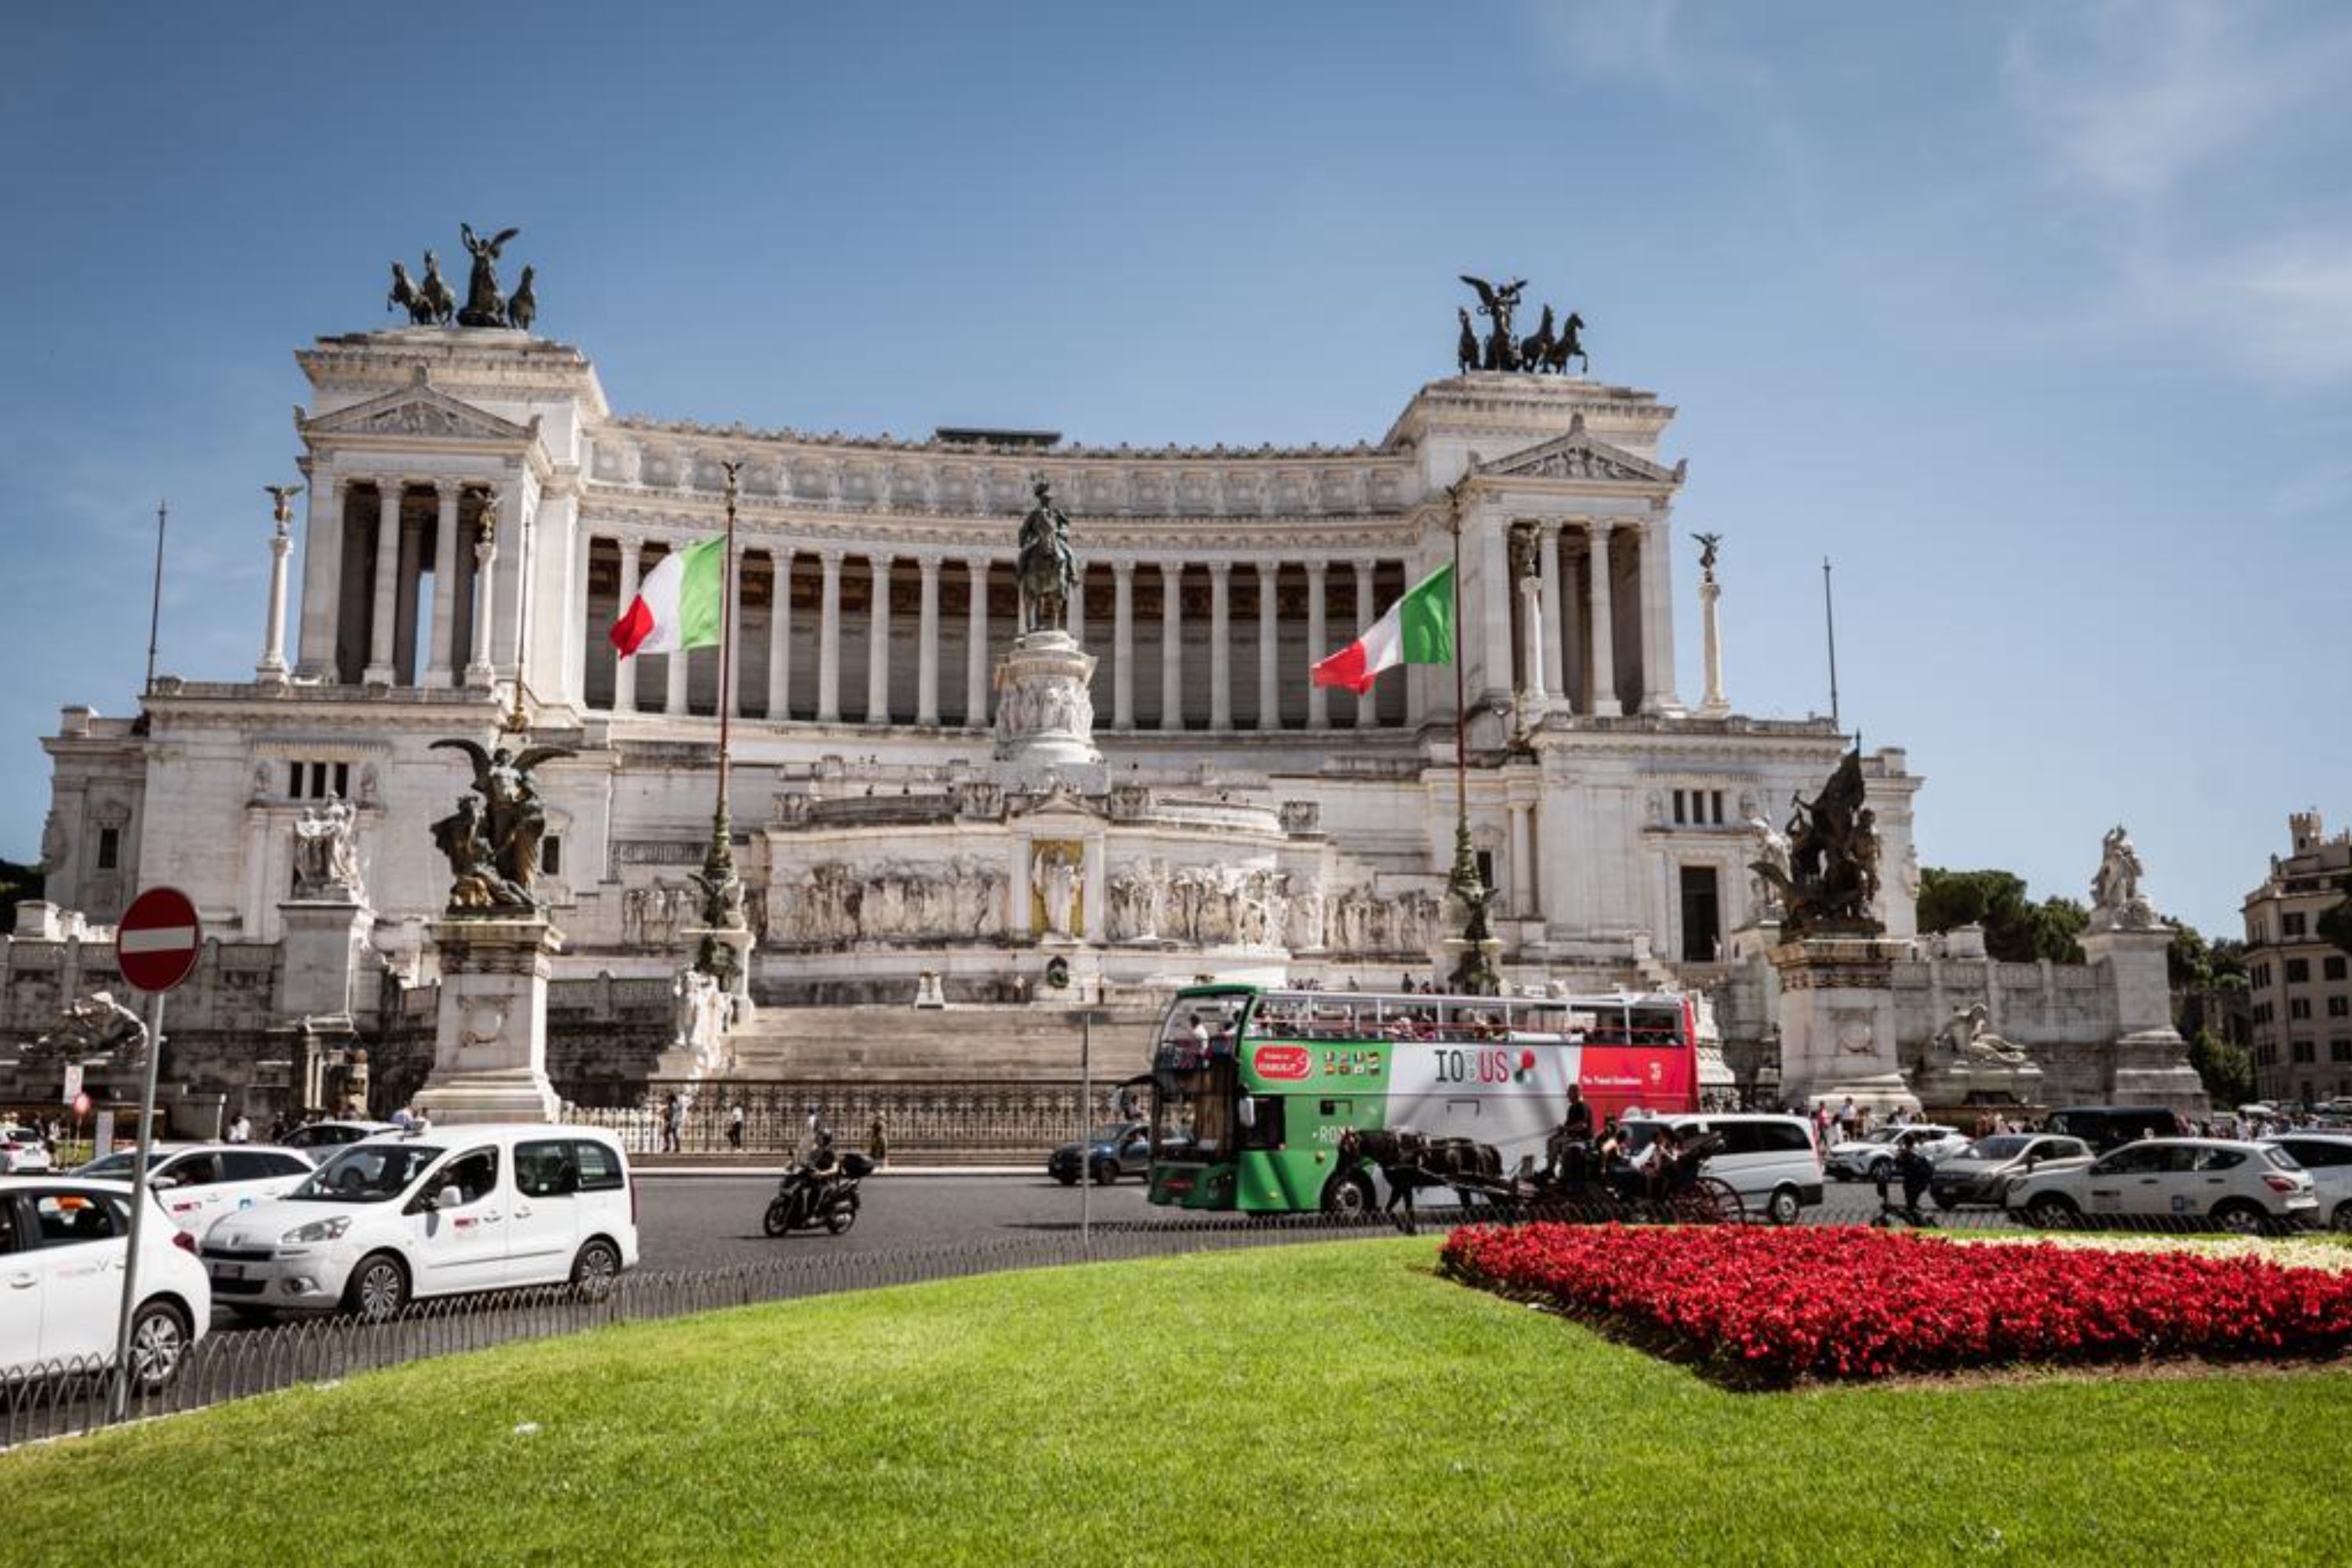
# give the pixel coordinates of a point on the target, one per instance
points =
(624, 670)
(1269, 644)
(1122, 685)
(927, 649)
(1319, 698)
(387, 582)
(878, 645)
(1603, 660)
(1221, 655)
(271, 670)
(1172, 645)
(828, 642)
(440, 670)
(1555, 648)
(976, 655)
(1525, 545)
(1368, 705)
(779, 634)
(322, 577)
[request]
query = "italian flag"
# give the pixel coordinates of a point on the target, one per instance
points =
(1418, 629)
(681, 602)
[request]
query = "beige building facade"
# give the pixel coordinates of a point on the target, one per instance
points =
(2300, 983)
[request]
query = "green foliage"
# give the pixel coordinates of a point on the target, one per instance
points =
(2017, 929)
(2226, 1070)
(17, 883)
(1312, 1405)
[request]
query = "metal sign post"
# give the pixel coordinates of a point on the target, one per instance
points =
(154, 946)
(1086, 1143)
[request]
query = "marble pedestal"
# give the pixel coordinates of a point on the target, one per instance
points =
(1953, 1086)
(323, 958)
(489, 1043)
(1044, 718)
(2148, 1063)
(1837, 1022)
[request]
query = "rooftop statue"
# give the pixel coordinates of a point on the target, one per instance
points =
(492, 838)
(430, 303)
(1047, 572)
(1495, 302)
(1549, 348)
(1830, 885)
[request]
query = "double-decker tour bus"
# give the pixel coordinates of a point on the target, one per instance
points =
(1252, 1087)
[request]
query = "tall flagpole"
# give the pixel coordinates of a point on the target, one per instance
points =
(1474, 971)
(155, 604)
(1828, 617)
(723, 894)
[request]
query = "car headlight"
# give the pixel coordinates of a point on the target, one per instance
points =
(316, 1230)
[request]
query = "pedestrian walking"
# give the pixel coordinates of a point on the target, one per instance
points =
(877, 1142)
(735, 1127)
(241, 1130)
(673, 1124)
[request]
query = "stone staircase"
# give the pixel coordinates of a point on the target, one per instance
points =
(899, 1043)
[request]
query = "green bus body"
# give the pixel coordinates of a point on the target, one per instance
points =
(1254, 1088)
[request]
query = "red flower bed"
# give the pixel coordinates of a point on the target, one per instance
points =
(1774, 1306)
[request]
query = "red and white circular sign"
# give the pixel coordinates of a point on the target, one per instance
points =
(157, 942)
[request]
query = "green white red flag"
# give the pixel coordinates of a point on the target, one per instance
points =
(1417, 629)
(679, 605)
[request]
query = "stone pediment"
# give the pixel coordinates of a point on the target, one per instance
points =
(1578, 455)
(419, 409)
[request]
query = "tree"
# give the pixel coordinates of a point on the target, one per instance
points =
(2017, 929)
(2226, 1070)
(17, 883)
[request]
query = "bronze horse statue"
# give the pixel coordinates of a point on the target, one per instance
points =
(1047, 572)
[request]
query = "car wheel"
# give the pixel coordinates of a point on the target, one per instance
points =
(1106, 1172)
(1349, 1197)
(378, 1288)
(159, 1344)
(1784, 1206)
(2050, 1211)
(595, 1270)
(2241, 1218)
(1071, 1180)
(2342, 1218)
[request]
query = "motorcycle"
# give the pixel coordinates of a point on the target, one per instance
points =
(809, 1196)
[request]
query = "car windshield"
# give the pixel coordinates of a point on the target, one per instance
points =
(367, 1173)
(115, 1167)
(1117, 1132)
(2008, 1146)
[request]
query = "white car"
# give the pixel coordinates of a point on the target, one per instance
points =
(2328, 1156)
(22, 1150)
(1768, 1160)
(198, 1182)
(63, 1241)
(1870, 1158)
(2244, 1187)
(388, 1220)
(316, 1138)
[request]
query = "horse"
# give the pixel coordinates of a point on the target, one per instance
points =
(1465, 348)
(1568, 346)
(1536, 349)
(1047, 576)
(522, 306)
(439, 304)
(405, 297)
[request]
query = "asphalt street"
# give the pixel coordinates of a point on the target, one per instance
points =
(693, 1223)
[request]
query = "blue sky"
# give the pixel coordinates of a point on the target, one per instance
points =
(2037, 318)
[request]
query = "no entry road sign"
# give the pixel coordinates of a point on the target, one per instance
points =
(157, 941)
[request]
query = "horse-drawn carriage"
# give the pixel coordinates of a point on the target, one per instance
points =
(1576, 1185)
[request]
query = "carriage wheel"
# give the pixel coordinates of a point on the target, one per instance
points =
(1709, 1201)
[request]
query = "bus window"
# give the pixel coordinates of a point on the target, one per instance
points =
(1200, 1027)
(1341, 1108)
(1263, 1129)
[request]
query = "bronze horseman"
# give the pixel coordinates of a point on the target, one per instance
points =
(1047, 572)
(492, 838)
(1830, 885)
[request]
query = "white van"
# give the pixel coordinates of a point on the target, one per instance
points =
(1770, 1161)
(389, 1219)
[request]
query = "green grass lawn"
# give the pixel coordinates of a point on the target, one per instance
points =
(1325, 1405)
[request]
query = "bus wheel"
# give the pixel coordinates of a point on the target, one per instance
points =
(1349, 1196)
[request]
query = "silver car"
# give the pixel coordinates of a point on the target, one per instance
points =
(1977, 1175)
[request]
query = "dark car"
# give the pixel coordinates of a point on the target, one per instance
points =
(1979, 1174)
(2105, 1127)
(1123, 1148)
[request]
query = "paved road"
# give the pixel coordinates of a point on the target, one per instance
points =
(700, 1222)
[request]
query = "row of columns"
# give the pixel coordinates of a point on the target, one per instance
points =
(1542, 655)
(385, 574)
(980, 653)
